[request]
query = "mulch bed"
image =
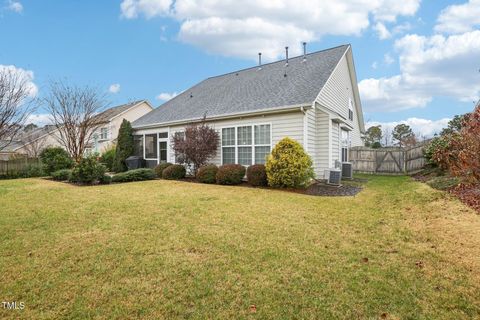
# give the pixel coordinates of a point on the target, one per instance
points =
(468, 194)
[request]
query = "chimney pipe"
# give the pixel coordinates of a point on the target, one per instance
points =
(259, 61)
(304, 51)
(286, 55)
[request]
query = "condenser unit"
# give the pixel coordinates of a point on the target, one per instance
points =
(334, 176)
(347, 170)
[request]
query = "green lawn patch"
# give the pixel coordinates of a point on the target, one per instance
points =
(168, 249)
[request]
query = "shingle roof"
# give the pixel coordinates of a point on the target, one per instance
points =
(115, 111)
(24, 138)
(251, 89)
(10, 146)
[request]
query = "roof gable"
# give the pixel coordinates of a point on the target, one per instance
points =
(272, 86)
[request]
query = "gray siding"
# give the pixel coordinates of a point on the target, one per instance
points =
(335, 144)
(322, 144)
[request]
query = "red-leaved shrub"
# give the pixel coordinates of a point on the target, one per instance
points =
(256, 175)
(230, 174)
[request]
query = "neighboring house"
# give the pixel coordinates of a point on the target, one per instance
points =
(313, 99)
(31, 143)
(107, 134)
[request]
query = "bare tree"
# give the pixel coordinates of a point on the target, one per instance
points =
(16, 104)
(34, 145)
(75, 112)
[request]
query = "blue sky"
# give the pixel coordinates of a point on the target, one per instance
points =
(417, 61)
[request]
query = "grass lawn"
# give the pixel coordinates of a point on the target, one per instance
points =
(163, 249)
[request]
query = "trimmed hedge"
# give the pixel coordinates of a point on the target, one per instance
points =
(230, 174)
(174, 172)
(62, 175)
(162, 166)
(106, 179)
(289, 166)
(257, 175)
(207, 174)
(135, 175)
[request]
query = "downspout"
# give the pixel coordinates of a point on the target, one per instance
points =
(305, 127)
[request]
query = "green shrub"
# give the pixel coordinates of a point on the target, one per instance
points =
(207, 174)
(54, 159)
(124, 146)
(105, 179)
(108, 158)
(289, 166)
(162, 166)
(174, 172)
(33, 170)
(230, 174)
(256, 175)
(61, 175)
(443, 182)
(88, 171)
(134, 175)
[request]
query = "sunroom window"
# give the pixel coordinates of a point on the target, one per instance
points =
(151, 146)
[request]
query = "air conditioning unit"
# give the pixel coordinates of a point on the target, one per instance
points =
(333, 176)
(338, 164)
(347, 170)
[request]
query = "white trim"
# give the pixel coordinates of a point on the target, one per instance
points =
(252, 146)
(227, 116)
(125, 111)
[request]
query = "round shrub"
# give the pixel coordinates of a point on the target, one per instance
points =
(135, 175)
(174, 172)
(207, 174)
(162, 166)
(33, 170)
(88, 171)
(62, 175)
(289, 166)
(230, 174)
(54, 159)
(256, 175)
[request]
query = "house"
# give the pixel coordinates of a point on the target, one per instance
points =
(312, 98)
(107, 133)
(31, 142)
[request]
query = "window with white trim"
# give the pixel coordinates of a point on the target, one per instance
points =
(103, 133)
(246, 145)
(350, 109)
(345, 144)
(151, 146)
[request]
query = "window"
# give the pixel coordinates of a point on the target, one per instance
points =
(138, 146)
(103, 134)
(262, 143)
(163, 151)
(350, 109)
(246, 145)
(163, 135)
(345, 144)
(151, 146)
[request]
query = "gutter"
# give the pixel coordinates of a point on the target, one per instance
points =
(301, 108)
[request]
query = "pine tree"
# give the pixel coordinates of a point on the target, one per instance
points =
(124, 146)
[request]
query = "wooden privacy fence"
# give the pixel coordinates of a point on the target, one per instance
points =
(388, 160)
(16, 165)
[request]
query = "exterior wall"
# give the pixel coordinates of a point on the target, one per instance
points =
(335, 96)
(322, 144)
(311, 134)
(289, 124)
(335, 144)
(114, 125)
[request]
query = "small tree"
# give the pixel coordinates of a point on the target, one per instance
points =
(16, 103)
(289, 166)
(456, 124)
(373, 135)
(124, 146)
(75, 113)
(196, 146)
(402, 133)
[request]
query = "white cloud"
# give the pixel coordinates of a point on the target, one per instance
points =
(40, 120)
(23, 75)
(422, 127)
(459, 18)
(243, 28)
(388, 59)
(382, 31)
(114, 88)
(14, 6)
(375, 65)
(429, 66)
(165, 96)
